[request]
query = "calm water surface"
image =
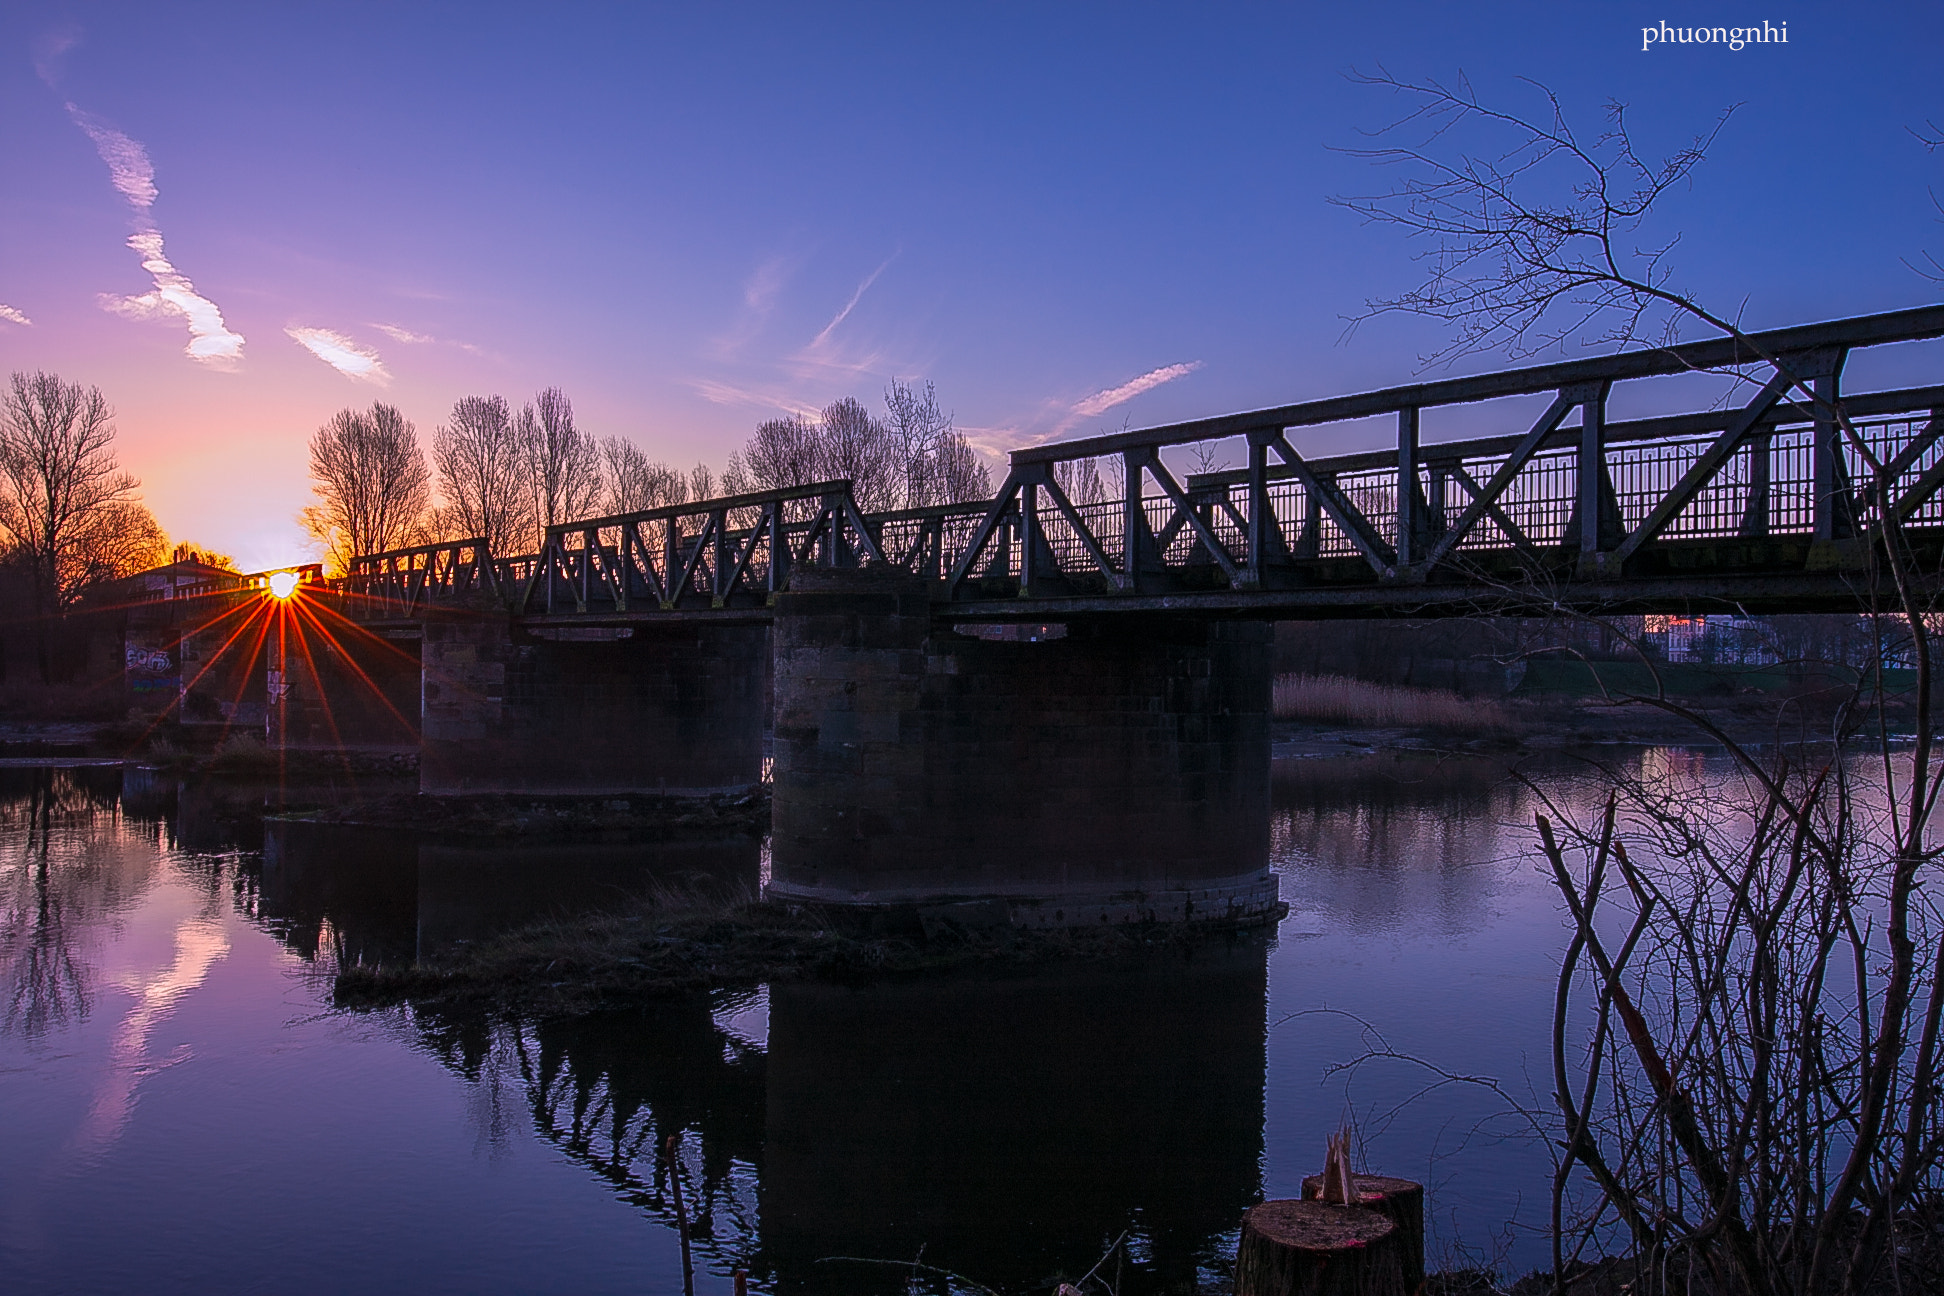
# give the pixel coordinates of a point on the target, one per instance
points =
(182, 1111)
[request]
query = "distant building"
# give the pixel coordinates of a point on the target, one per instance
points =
(1713, 640)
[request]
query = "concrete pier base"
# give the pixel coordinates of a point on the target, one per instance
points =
(675, 710)
(1120, 773)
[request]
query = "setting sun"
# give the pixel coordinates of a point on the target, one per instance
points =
(283, 584)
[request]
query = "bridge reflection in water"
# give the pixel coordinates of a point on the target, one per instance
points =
(1007, 1127)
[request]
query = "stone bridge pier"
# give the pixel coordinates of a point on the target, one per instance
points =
(1120, 773)
(674, 709)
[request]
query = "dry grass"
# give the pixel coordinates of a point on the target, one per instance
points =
(1336, 699)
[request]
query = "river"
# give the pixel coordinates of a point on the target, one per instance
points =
(181, 1109)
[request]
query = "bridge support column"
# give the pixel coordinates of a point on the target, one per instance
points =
(672, 709)
(1120, 773)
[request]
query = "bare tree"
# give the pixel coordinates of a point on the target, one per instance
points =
(482, 470)
(1522, 273)
(1748, 1042)
(782, 453)
(371, 483)
(938, 466)
(855, 444)
(564, 461)
(912, 458)
(186, 552)
(1082, 482)
(701, 482)
(119, 540)
(632, 482)
(68, 511)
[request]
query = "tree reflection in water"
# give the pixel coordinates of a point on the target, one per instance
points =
(64, 869)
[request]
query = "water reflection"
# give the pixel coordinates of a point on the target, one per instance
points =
(48, 914)
(1008, 1128)
(383, 897)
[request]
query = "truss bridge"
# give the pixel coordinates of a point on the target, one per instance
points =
(1117, 770)
(1764, 502)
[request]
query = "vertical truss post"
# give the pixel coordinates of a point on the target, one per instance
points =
(779, 546)
(1589, 468)
(724, 563)
(588, 541)
(1410, 500)
(838, 553)
(1267, 548)
(671, 562)
(1755, 514)
(1031, 568)
(1140, 554)
(1309, 541)
(1832, 512)
(1437, 476)
(1596, 508)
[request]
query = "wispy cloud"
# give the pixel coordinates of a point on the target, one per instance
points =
(128, 162)
(13, 316)
(761, 291)
(174, 297)
(49, 48)
(342, 354)
(850, 305)
(1102, 401)
(397, 334)
(722, 393)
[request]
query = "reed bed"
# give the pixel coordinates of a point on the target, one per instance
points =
(1337, 699)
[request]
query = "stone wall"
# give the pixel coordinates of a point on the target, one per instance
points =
(676, 709)
(1119, 772)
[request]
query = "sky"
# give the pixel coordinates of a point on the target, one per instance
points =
(237, 219)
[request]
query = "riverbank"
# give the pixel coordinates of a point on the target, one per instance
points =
(1347, 717)
(672, 944)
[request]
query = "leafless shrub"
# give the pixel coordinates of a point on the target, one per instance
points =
(1747, 1019)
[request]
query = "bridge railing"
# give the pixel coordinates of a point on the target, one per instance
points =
(723, 553)
(1581, 498)
(403, 583)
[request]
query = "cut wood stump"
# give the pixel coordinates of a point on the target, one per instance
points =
(1401, 1200)
(1314, 1248)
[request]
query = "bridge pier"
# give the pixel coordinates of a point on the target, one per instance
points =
(590, 710)
(1120, 773)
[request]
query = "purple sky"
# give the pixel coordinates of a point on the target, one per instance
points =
(238, 218)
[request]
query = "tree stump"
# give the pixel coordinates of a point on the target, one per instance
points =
(1314, 1248)
(1402, 1201)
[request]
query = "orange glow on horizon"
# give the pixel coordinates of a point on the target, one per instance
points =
(283, 584)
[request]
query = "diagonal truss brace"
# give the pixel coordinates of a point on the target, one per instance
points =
(1789, 370)
(1149, 457)
(1487, 500)
(1348, 517)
